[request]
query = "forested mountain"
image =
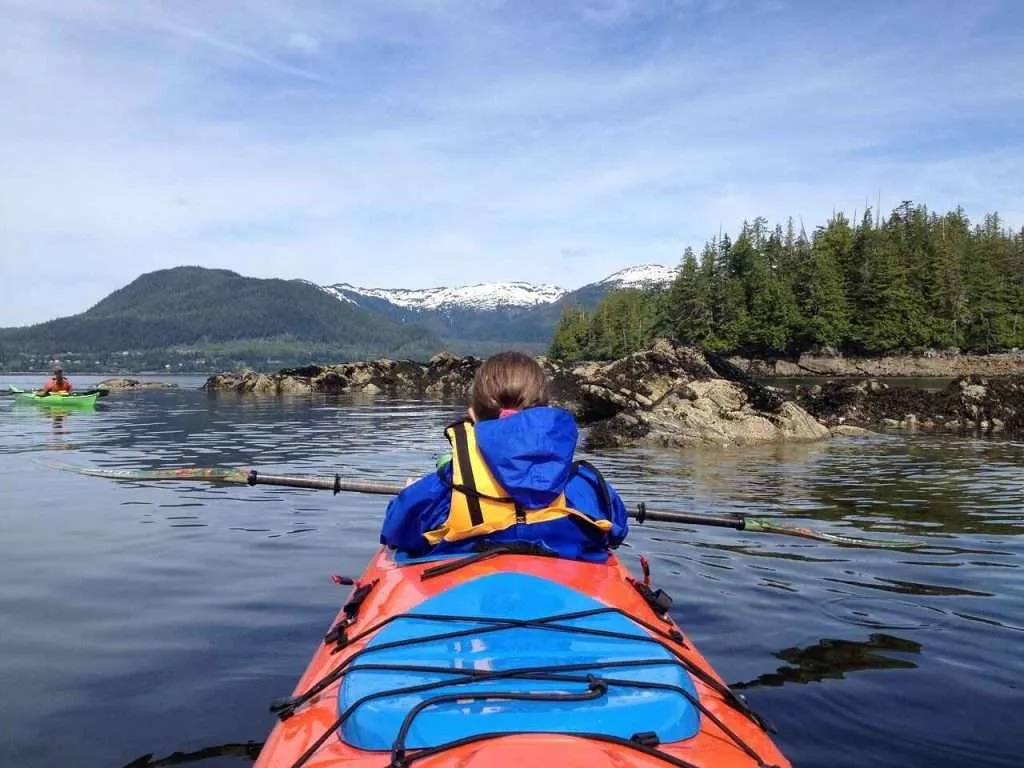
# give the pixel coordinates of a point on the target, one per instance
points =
(916, 279)
(195, 313)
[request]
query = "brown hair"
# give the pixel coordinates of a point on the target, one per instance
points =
(508, 380)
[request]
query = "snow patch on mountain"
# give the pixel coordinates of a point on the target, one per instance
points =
(640, 276)
(482, 296)
(486, 297)
(334, 291)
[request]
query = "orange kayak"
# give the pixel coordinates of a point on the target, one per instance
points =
(508, 658)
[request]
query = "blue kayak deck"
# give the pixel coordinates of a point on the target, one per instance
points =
(621, 711)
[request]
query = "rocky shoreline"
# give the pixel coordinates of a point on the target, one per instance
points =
(925, 364)
(967, 404)
(123, 384)
(672, 395)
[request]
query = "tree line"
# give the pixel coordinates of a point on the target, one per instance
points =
(912, 280)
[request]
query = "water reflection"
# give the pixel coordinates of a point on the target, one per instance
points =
(247, 752)
(834, 659)
(926, 486)
(54, 426)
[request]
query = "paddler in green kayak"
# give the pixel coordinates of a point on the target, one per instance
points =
(58, 384)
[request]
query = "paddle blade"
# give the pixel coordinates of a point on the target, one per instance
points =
(209, 474)
(97, 392)
(762, 525)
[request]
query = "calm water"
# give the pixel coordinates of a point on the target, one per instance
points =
(158, 618)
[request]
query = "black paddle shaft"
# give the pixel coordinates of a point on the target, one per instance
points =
(336, 484)
(722, 521)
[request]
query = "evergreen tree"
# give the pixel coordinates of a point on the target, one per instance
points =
(1015, 290)
(908, 230)
(988, 324)
(823, 315)
(686, 313)
(857, 278)
(889, 316)
(947, 302)
(572, 335)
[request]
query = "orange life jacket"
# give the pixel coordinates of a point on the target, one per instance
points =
(53, 386)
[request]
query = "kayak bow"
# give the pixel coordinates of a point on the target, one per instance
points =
(508, 658)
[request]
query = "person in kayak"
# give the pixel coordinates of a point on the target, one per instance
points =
(511, 478)
(58, 383)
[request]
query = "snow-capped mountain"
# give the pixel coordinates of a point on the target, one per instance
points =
(484, 316)
(641, 276)
(493, 296)
(481, 296)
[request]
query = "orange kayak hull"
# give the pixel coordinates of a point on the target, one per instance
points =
(727, 736)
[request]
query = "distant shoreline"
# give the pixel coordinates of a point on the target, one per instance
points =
(927, 364)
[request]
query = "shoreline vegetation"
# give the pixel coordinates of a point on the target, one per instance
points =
(874, 289)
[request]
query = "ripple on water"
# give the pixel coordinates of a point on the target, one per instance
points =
(884, 613)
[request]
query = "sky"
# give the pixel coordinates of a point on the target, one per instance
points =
(419, 143)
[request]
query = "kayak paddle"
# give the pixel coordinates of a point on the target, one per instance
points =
(336, 484)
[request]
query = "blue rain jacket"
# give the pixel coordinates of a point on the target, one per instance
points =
(531, 455)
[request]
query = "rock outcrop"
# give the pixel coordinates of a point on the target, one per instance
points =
(445, 375)
(666, 395)
(924, 363)
(969, 403)
(671, 395)
(123, 384)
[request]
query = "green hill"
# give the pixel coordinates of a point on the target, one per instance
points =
(193, 314)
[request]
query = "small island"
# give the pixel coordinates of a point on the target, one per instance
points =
(671, 394)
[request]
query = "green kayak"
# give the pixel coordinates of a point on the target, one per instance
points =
(58, 400)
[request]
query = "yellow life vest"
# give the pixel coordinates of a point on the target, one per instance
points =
(480, 506)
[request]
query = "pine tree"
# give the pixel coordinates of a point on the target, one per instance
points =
(1015, 290)
(989, 323)
(947, 302)
(687, 311)
(623, 323)
(572, 335)
(823, 315)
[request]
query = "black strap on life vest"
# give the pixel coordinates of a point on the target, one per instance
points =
(473, 493)
(476, 514)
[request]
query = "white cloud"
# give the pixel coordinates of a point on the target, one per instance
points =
(300, 41)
